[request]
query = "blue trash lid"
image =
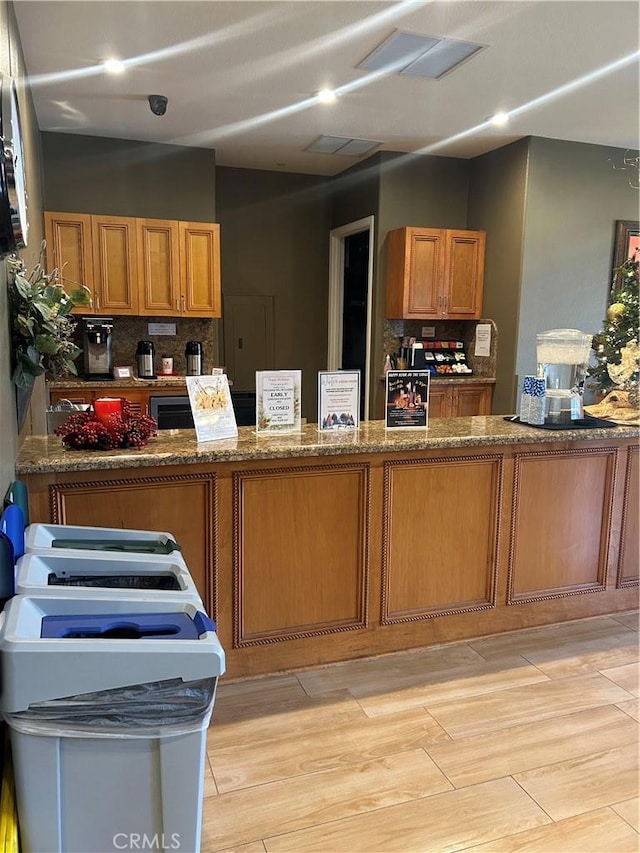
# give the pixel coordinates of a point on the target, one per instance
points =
(126, 626)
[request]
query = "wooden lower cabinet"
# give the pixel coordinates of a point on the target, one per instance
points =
(463, 400)
(311, 560)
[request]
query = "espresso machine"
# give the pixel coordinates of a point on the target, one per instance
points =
(97, 334)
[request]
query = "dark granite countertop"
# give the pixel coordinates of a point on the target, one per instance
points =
(46, 454)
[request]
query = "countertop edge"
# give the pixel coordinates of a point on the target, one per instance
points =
(45, 454)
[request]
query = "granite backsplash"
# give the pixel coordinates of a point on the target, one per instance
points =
(127, 331)
(446, 330)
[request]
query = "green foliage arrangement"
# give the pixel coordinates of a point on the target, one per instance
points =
(41, 323)
(616, 346)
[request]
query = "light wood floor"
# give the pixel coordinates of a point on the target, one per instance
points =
(522, 742)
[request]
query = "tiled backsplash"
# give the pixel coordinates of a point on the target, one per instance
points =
(127, 331)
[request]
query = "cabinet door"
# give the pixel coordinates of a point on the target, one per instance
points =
(158, 267)
(115, 264)
(200, 269)
(439, 401)
(463, 274)
(69, 249)
(470, 400)
(415, 268)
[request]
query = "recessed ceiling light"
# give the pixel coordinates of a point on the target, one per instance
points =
(327, 96)
(500, 119)
(113, 66)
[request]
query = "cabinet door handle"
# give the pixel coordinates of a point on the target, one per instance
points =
(183, 303)
(178, 304)
(97, 300)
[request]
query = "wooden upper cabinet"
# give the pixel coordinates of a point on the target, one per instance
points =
(158, 267)
(464, 274)
(434, 273)
(115, 264)
(69, 249)
(200, 269)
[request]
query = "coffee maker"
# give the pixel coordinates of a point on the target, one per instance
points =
(97, 336)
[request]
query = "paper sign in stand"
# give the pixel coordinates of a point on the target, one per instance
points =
(338, 400)
(278, 401)
(407, 399)
(211, 406)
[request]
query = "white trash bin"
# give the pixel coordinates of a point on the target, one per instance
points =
(108, 703)
(104, 575)
(100, 539)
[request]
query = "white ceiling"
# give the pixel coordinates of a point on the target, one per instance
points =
(241, 76)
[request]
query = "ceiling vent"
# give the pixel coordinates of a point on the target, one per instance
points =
(419, 56)
(344, 145)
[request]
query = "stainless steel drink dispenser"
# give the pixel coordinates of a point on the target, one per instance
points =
(562, 362)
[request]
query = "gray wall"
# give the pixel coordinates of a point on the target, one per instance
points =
(497, 195)
(12, 64)
(274, 231)
(573, 201)
(121, 177)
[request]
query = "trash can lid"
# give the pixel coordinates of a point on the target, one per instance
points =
(126, 626)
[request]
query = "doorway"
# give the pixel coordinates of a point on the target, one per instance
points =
(350, 297)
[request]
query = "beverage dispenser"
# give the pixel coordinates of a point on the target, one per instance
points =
(562, 362)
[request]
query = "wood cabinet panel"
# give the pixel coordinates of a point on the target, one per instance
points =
(425, 274)
(460, 400)
(560, 524)
(323, 560)
(158, 267)
(435, 273)
(439, 401)
(441, 535)
(181, 505)
(68, 237)
(629, 559)
(200, 269)
(115, 264)
(301, 552)
(471, 400)
(464, 274)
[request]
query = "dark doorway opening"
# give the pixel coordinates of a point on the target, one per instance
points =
(354, 306)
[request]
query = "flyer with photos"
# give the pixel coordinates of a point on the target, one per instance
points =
(278, 401)
(211, 406)
(338, 400)
(407, 399)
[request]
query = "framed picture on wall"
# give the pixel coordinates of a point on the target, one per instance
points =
(627, 243)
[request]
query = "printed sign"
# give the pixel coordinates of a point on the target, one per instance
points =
(338, 400)
(211, 406)
(407, 399)
(278, 399)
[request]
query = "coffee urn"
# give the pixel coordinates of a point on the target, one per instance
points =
(194, 355)
(144, 359)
